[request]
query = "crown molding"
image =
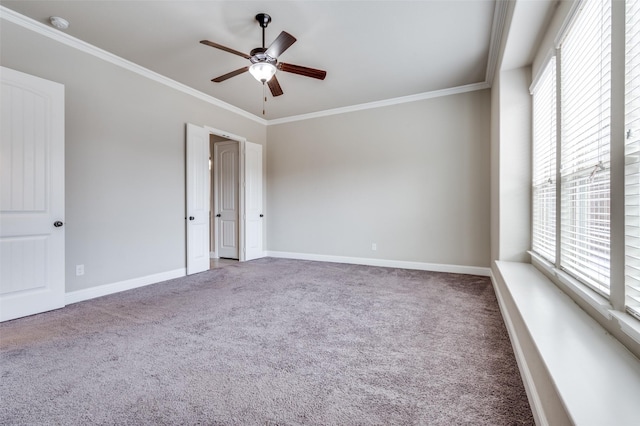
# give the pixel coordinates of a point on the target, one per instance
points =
(66, 39)
(497, 32)
(384, 103)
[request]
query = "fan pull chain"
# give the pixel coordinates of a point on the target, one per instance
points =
(264, 96)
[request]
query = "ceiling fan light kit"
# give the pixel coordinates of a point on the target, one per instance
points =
(262, 71)
(264, 60)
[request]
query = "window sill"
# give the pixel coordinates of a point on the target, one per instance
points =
(629, 325)
(594, 376)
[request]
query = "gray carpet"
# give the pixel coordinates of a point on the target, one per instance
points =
(269, 342)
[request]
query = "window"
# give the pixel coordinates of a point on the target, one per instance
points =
(590, 119)
(543, 239)
(585, 131)
(632, 158)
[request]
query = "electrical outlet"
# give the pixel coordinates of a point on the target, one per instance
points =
(374, 246)
(79, 270)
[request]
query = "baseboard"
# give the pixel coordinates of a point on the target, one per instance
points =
(434, 267)
(525, 372)
(106, 289)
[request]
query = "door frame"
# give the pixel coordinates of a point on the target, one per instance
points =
(241, 194)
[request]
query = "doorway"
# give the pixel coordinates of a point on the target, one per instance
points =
(225, 205)
(203, 226)
(248, 174)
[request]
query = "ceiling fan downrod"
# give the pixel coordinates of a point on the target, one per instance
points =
(263, 19)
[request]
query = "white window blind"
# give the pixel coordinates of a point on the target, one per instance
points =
(543, 238)
(632, 157)
(585, 167)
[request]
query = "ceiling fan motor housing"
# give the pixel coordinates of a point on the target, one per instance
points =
(258, 55)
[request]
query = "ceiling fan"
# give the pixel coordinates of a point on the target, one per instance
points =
(264, 60)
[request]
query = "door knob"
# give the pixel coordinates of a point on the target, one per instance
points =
(261, 215)
(191, 217)
(218, 215)
(57, 224)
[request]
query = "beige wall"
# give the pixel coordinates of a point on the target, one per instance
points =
(514, 165)
(125, 173)
(412, 178)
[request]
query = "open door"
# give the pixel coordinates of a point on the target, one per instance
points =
(227, 196)
(253, 217)
(197, 208)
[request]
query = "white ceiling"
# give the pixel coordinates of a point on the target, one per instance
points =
(372, 50)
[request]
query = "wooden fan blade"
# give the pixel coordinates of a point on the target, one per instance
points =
(280, 44)
(230, 74)
(225, 48)
(305, 71)
(274, 86)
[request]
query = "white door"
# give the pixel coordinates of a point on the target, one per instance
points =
(253, 201)
(227, 177)
(32, 275)
(197, 199)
